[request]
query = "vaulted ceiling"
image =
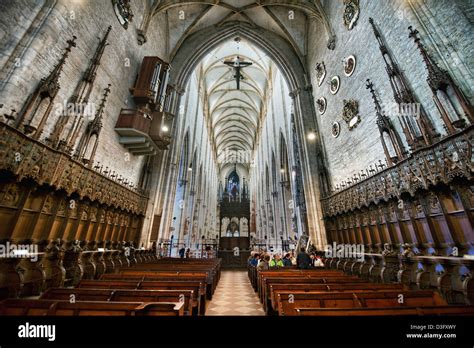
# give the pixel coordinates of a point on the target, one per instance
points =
(288, 19)
(235, 114)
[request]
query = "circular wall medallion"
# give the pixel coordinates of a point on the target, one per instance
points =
(351, 13)
(320, 72)
(336, 129)
(123, 11)
(334, 84)
(322, 104)
(349, 65)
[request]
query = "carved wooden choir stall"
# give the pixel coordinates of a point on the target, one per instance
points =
(414, 215)
(64, 216)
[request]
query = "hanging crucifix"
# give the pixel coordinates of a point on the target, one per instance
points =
(238, 65)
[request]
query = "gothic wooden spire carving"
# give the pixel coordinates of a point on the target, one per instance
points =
(96, 124)
(79, 99)
(91, 71)
(46, 89)
(385, 126)
(418, 129)
(448, 98)
(93, 129)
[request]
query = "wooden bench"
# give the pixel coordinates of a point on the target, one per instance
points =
(198, 288)
(160, 276)
(210, 266)
(118, 295)
(287, 301)
(25, 307)
(327, 280)
(252, 274)
(284, 272)
(211, 271)
(263, 276)
(348, 287)
(387, 311)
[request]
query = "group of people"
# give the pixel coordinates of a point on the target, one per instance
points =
(264, 261)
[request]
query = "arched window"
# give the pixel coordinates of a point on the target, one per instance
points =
(297, 176)
(183, 162)
(286, 198)
(274, 173)
(233, 185)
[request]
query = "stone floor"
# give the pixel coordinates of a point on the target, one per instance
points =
(234, 295)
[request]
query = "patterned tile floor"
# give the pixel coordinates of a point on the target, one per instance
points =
(234, 295)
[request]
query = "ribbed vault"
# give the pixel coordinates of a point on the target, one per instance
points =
(288, 19)
(197, 47)
(235, 114)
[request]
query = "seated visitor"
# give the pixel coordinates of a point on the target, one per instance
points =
(287, 260)
(303, 261)
(255, 259)
(293, 258)
(263, 264)
(318, 261)
(250, 258)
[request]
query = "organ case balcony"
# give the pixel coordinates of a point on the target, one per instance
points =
(151, 83)
(133, 127)
(143, 133)
(146, 129)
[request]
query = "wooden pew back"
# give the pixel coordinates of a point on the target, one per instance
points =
(458, 310)
(117, 295)
(351, 287)
(198, 288)
(24, 307)
(288, 301)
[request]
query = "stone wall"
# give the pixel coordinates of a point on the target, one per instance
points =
(88, 20)
(353, 151)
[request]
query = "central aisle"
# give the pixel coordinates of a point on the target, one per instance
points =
(234, 295)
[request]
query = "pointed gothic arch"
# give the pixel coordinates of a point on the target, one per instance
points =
(194, 48)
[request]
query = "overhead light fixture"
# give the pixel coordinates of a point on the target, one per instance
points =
(165, 128)
(311, 135)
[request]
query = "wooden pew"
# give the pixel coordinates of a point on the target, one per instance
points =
(387, 311)
(252, 274)
(212, 265)
(327, 280)
(211, 276)
(198, 288)
(294, 272)
(25, 307)
(287, 301)
(348, 287)
(163, 276)
(265, 279)
(303, 274)
(117, 295)
(177, 263)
